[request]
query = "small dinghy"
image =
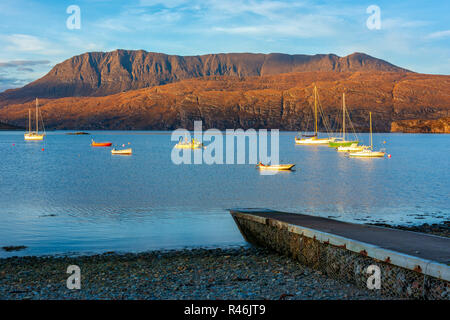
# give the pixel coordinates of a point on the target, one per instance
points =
(275, 166)
(128, 151)
(101, 144)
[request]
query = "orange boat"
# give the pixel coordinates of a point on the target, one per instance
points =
(101, 144)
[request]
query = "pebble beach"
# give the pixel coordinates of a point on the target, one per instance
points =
(235, 273)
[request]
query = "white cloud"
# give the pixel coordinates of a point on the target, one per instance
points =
(24, 42)
(166, 3)
(439, 34)
(28, 44)
(397, 23)
(302, 28)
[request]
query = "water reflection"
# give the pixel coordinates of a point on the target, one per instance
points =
(74, 197)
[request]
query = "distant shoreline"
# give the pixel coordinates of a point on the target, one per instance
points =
(74, 131)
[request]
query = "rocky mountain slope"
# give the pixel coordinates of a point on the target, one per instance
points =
(106, 73)
(282, 101)
(441, 125)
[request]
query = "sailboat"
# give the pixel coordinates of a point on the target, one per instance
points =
(354, 147)
(313, 139)
(368, 152)
(341, 141)
(186, 144)
(34, 135)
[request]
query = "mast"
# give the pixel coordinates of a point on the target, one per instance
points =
(370, 117)
(37, 121)
(343, 116)
(29, 120)
(315, 109)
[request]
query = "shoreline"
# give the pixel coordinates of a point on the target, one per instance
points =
(239, 273)
(222, 130)
(244, 272)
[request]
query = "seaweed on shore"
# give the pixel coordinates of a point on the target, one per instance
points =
(14, 248)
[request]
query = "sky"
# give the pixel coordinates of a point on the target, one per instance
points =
(34, 35)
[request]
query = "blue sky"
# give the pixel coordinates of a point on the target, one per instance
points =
(34, 37)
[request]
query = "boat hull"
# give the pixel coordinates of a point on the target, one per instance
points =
(367, 154)
(188, 146)
(101, 144)
(337, 143)
(277, 167)
(33, 137)
(126, 152)
(350, 149)
(313, 141)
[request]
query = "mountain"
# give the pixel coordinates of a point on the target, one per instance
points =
(106, 73)
(282, 101)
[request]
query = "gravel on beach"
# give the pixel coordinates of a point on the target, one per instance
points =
(233, 273)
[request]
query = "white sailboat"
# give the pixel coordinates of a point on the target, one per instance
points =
(368, 152)
(342, 142)
(313, 140)
(34, 135)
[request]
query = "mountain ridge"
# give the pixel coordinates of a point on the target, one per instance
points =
(106, 73)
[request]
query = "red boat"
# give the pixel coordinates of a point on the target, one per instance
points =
(101, 144)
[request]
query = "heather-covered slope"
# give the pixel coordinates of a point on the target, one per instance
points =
(281, 101)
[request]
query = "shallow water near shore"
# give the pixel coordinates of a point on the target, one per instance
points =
(75, 198)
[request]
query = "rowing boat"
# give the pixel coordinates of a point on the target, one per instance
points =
(275, 166)
(101, 144)
(128, 151)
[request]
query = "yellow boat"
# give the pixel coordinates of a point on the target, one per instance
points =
(275, 166)
(33, 135)
(193, 144)
(368, 152)
(128, 151)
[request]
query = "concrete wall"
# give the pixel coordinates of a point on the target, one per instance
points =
(339, 262)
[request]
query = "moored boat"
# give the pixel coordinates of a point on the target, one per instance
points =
(128, 151)
(101, 144)
(186, 144)
(342, 141)
(354, 147)
(368, 151)
(275, 166)
(313, 139)
(34, 135)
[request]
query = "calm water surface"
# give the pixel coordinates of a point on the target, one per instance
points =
(72, 198)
